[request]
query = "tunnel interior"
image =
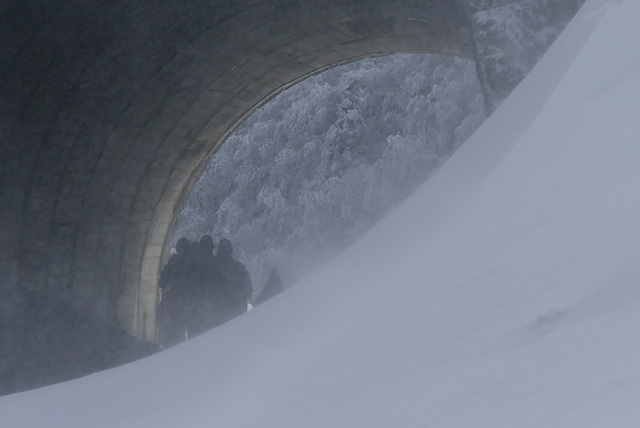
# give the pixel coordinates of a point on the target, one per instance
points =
(109, 112)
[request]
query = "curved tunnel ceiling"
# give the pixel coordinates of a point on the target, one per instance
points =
(110, 111)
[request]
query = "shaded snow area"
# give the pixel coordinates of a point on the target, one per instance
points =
(503, 293)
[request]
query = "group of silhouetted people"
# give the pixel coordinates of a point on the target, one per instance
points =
(201, 290)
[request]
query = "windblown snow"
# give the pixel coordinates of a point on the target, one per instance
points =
(504, 293)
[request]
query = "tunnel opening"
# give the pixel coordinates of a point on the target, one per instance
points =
(158, 245)
(319, 164)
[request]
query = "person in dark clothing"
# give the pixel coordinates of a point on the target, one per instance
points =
(235, 283)
(206, 242)
(175, 281)
(207, 281)
(176, 266)
(271, 287)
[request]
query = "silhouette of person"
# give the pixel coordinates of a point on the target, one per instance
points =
(235, 283)
(175, 282)
(207, 278)
(272, 287)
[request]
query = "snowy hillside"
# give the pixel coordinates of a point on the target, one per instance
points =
(503, 293)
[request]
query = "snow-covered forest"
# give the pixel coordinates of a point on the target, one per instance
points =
(317, 166)
(510, 37)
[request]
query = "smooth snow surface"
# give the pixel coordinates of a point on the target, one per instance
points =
(504, 293)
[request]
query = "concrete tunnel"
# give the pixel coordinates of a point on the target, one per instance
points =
(110, 111)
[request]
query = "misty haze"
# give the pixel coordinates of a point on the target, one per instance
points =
(456, 230)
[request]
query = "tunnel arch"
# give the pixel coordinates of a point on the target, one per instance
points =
(117, 120)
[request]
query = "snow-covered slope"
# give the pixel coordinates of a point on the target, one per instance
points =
(504, 293)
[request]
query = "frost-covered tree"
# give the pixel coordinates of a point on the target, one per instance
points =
(317, 166)
(510, 37)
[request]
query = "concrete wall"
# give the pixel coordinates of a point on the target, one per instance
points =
(109, 111)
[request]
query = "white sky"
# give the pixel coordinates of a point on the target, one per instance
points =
(504, 293)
